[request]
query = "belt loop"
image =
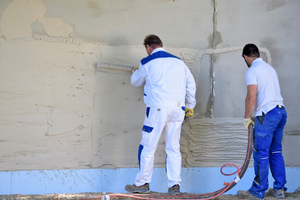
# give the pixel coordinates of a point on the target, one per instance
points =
(279, 106)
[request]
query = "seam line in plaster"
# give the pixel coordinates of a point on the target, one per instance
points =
(225, 50)
(214, 51)
(199, 54)
(69, 40)
(213, 59)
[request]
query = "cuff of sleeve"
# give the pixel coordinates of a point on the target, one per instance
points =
(188, 105)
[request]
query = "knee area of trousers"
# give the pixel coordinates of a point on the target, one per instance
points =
(260, 156)
(276, 153)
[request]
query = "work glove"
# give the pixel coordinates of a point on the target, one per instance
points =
(247, 122)
(135, 68)
(189, 112)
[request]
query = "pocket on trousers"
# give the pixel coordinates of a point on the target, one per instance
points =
(146, 134)
(260, 140)
(147, 129)
(261, 118)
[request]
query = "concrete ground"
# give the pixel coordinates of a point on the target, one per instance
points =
(89, 196)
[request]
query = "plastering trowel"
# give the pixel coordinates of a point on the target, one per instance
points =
(113, 68)
(186, 119)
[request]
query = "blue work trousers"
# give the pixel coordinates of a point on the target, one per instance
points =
(267, 151)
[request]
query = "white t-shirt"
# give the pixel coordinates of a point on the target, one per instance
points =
(167, 81)
(268, 90)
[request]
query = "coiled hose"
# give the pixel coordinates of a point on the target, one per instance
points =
(240, 173)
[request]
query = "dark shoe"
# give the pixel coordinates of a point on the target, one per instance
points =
(280, 194)
(174, 190)
(138, 189)
(247, 195)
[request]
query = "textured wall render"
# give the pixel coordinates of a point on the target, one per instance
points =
(58, 112)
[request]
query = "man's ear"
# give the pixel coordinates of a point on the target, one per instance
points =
(149, 49)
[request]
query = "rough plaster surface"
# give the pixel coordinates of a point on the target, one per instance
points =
(58, 112)
(223, 138)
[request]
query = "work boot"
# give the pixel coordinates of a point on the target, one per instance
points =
(247, 195)
(138, 189)
(174, 190)
(280, 194)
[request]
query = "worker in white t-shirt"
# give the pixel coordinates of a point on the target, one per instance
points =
(169, 95)
(263, 96)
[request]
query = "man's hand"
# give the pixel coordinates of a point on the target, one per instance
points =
(189, 112)
(135, 68)
(247, 122)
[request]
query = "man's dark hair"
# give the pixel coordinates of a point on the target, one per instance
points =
(153, 41)
(251, 50)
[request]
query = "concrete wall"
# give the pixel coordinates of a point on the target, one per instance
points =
(57, 111)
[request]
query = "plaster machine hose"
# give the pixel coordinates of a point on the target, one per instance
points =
(240, 173)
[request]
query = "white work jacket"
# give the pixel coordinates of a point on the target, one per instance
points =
(168, 81)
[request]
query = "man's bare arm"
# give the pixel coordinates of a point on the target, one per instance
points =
(250, 100)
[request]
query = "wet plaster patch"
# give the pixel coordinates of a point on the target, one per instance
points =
(213, 142)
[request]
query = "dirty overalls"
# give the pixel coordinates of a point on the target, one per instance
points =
(168, 87)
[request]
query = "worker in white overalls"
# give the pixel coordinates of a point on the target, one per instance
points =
(169, 95)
